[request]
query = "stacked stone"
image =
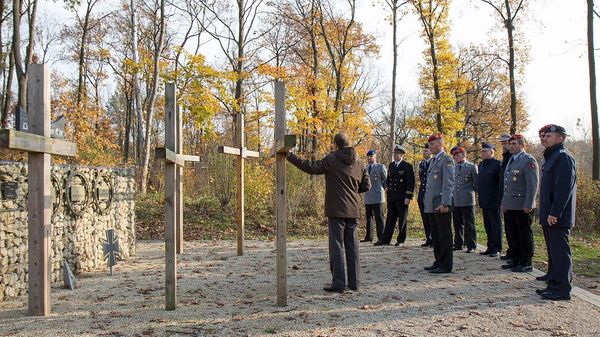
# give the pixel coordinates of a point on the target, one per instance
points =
(76, 239)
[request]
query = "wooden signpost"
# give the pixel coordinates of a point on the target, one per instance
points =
(242, 153)
(40, 147)
(283, 143)
(174, 162)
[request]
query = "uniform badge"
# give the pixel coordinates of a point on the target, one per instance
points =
(449, 163)
(514, 178)
(435, 176)
(401, 180)
(532, 165)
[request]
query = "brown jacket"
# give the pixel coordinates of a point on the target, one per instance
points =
(345, 178)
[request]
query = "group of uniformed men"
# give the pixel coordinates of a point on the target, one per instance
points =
(447, 193)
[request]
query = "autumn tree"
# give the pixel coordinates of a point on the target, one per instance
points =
(593, 100)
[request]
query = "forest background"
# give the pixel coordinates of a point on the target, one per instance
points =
(110, 60)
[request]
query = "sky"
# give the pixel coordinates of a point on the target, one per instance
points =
(555, 83)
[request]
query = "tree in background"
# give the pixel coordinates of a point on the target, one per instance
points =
(593, 100)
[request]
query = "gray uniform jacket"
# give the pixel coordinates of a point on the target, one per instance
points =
(378, 176)
(440, 183)
(521, 179)
(465, 184)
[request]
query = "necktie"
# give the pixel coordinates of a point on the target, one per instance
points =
(370, 168)
(459, 167)
(511, 161)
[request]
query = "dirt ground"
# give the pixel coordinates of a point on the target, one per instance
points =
(222, 294)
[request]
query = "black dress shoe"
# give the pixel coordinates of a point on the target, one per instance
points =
(542, 278)
(554, 296)
(456, 248)
(399, 244)
(471, 250)
(439, 270)
(333, 289)
(431, 267)
(353, 288)
(509, 266)
(366, 240)
(541, 291)
(487, 252)
(427, 244)
(505, 258)
(494, 254)
(379, 243)
(522, 269)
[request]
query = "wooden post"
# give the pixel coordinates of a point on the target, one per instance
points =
(283, 143)
(39, 205)
(170, 200)
(240, 186)
(174, 162)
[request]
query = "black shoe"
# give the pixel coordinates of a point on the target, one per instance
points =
(353, 288)
(522, 269)
(439, 270)
(542, 278)
(541, 291)
(505, 258)
(333, 289)
(427, 243)
(366, 240)
(456, 248)
(554, 296)
(430, 267)
(399, 244)
(471, 250)
(379, 243)
(487, 252)
(509, 266)
(494, 254)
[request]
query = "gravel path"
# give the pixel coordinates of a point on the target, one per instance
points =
(223, 294)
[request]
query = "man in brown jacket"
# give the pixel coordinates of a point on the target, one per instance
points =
(345, 178)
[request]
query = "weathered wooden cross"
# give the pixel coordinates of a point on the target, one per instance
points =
(242, 153)
(174, 162)
(111, 249)
(283, 143)
(40, 147)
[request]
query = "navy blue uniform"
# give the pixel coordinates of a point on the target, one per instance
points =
(557, 198)
(400, 185)
(490, 197)
(423, 167)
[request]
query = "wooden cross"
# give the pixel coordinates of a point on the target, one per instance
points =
(40, 147)
(111, 249)
(174, 162)
(283, 143)
(242, 153)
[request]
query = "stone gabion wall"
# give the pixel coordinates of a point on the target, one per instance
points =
(86, 201)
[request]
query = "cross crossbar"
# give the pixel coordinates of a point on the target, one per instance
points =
(162, 153)
(245, 153)
(283, 145)
(29, 142)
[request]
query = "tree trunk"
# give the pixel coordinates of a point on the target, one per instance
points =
(436, 85)
(8, 90)
(394, 70)
(593, 99)
(152, 99)
(137, 99)
(81, 61)
(511, 69)
(16, 45)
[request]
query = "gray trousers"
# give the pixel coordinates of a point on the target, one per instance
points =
(343, 239)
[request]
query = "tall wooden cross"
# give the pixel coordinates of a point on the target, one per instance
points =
(40, 147)
(283, 143)
(242, 153)
(174, 162)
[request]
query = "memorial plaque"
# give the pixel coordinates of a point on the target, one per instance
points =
(77, 193)
(103, 193)
(10, 190)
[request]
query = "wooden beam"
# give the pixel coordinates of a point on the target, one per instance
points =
(29, 142)
(283, 145)
(179, 180)
(162, 153)
(244, 153)
(170, 200)
(39, 206)
(189, 158)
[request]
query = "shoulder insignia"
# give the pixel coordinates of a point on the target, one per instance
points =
(562, 151)
(449, 163)
(532, 165)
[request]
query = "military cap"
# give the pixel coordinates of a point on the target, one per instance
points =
(485, 145)
(504, 138)
(399, 148)
(457, 150)
(433, 137)
(371, 152)
(516, 136)
(553, 128)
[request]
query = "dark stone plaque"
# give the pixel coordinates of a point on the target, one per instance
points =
(103, 193)
(10, 190)
(77, 193)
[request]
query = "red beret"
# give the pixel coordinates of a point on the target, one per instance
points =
(457, 150)
(435, 137)
(545, 128)
(516, 136)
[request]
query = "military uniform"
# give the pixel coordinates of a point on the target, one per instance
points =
(520, 189)
(557, 198)
(506, 155)
(423, 167)
(490, 196)
(463, 202)
(440, 185)
(374, 199)
(400, 186)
